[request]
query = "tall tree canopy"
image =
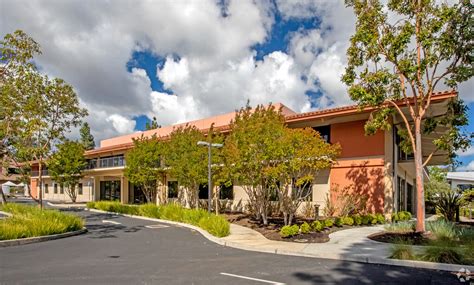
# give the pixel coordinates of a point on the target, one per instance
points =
(250, 149)
(144, 166)
(65, 166)
(409, 49)
(153, 124)
(87, 139)
(36, 111)
(187, 161)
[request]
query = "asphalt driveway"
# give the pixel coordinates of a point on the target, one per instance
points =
(121, 250)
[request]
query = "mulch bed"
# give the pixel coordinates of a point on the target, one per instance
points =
(272, 230)
(409, 238)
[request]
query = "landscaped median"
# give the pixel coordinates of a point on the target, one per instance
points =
(215, 225)
(30, 221)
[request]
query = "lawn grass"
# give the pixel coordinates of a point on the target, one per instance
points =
(30, 221)
(215, 225)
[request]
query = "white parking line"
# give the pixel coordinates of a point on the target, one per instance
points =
(111, 222)
(156, 226)
(253, 279)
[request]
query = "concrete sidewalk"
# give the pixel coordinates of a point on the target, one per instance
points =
(351, 245)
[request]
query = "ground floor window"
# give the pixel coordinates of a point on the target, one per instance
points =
(172, 189)
(226, 192)
(79, 188)
(55, 188)
(138, 195)
(203, 191)
(61, 188)
(110, 190)
(46, 188)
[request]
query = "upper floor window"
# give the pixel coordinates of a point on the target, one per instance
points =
(325, 132)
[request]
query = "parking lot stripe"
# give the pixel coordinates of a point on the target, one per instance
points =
(253, 279)
(156, 226)
(111, 222)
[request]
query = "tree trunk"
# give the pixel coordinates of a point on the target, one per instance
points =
(290, 219)
(4, 200)
(73, 195)
(420, 195)
(285, 218)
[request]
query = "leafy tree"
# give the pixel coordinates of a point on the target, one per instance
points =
(303, 154)
(87, 139)
(398, 56)
(66, 165)
(144, 165)
(151, 125)
(37, 111)
(187, 161)
(251, 149)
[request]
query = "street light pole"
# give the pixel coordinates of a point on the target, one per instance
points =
(209, 174)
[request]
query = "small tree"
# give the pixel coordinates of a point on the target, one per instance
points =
(187, 161)
(37, 111)
(304, 154)
(399, 54)
(251, 149)
(66, 165)
(151, 125)
(144, 165)
(87, 139)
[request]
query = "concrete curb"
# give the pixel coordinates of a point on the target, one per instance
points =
(78, 205)
(6, 214)
(23, 241)
(372, 260)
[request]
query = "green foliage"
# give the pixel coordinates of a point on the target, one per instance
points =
(187, 161)
(442, 229)
(66, 165)
(443, 252)
(144, 165)
(357, 220)
(369, 219)
(380, 218)
(305, 228)
(447, 204)
(37, 111)
(402, 251)
(289, 231)
(328, 223)
(153, 124)
(317, 226)
(29, 221)
(400, 227)
(348, 221)
(401, 216)
(213, 224)
(338, 222)
(87, 139)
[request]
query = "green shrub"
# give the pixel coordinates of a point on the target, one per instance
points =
(90, 205)
(402, 251)
(215, 225)
(317, 226)
(30, 221)
(372, 219)
(400, 227)
(365, 220)
(328, 223)
(194, 217)
(149, 210)
(401, 216)
(442, 229)
(357, 219)
(348, 221)
(338, 222)
(380, 218)
(305, 228)
(289, 231)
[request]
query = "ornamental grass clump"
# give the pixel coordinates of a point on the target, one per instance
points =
(442, 229)
(400, 227)
(215, 225)
(29, 221)
(402, 251)
(443, 252)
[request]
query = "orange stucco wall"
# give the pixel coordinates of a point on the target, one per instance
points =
(34, 185)
(360, 169)
(360, 177)
(351, 136)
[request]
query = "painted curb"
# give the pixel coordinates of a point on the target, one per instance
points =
(371, 260)
(23, 241)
